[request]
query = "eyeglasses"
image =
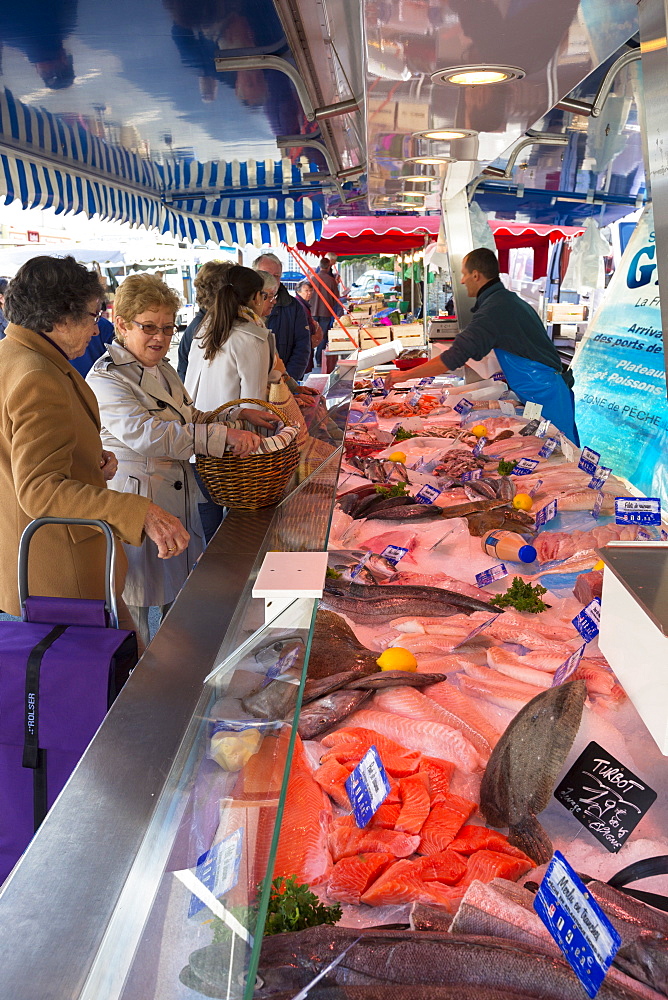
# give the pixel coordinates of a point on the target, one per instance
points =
(150, 329)
(269, 296)
(96, 315)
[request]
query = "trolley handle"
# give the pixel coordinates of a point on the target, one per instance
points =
(110, 604)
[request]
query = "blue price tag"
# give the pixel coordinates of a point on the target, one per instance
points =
(629, 510)
(589, 459)
(588, 620)
(477, 631)
(413, 398)
(643, 535)
(478, 449)
(548, 447)
(569, 666)
(427, 494)
(490, 575)
(577, 923)
(534, 489)
(393, 553)
(546, 513)
(498, 377)
(367, 787)
(542, 429)
(525, 467)
(426, 381)
(596, 509)
(367, 400)
(369, 418)
(463, 407)
(218, 869)
(378, 383)
(360, 566)
(281, 665)
(601, 474)
(466, 477)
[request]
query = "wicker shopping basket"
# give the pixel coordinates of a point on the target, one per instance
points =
(253, 481)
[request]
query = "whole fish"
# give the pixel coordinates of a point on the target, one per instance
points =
(275, 701)
(520, 776)
(466, 603)
(426, 958)
(321, 715)
(394, 678)
(318, 687)
(320, 992)
(507, 488)
(378, 610)
(372, 504)
(335, 647)
(646, 959)
(485, 488)
(474, 507)
(406, 512)
(471, 492)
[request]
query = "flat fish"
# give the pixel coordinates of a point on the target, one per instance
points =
(321, 715)
(521, 773)
(351, 877)
(432, 738)
(335, 648)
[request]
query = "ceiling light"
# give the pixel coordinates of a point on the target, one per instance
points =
(408, 204)
(430, 160)
(476, 76)
(445, 134)
(417, 179)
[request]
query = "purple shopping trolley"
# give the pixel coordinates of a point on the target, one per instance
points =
(60, 669)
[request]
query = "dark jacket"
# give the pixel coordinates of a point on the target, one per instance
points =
(288, 323)
(331, 296)
(502, 319)
(96, 347)
(186, 341)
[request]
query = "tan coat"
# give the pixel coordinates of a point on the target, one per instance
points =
(50, 452)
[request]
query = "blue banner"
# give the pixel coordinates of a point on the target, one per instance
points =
(620, 377)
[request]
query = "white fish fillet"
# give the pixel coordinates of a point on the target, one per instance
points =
(506, 698)
(453, 700)
(523, 636)
(413, 704)
(549, 628)
(510, 665)
(431, 738)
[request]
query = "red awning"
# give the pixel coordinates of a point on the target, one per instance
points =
(369, 234)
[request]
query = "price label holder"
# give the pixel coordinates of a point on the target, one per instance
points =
(393, 553)
(643, 535)
(507, 407)
(218, 869)
(546, 513)
(664, 535)
(577, 923)
(567, 449)
(477, 631)
(282, 665)
(605, 796)
(478, 449)
(596, 509)
(599, 478)
(378, 383)
(490, 575)
(369, 419)
(525, 467)
(589, 459)
(568, 667)
(466, 477)
(413, 398)
(367, 400)
(533, 411)
(427, 494)
(355, 572)
(548, 447)
(530, 429)
(631, 510)
(498, 377)
(588, 620)
(543, 428)
(463, 407)
(426, 381)
(534, 489)
(367, 787)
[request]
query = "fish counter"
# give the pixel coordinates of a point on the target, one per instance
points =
(473, 801)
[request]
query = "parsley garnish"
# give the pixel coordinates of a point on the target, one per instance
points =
(505, 468)
(398, 490)
(403, 435)
(292, 907)
(522, 596)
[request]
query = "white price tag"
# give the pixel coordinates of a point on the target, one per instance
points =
(507, 406)
(533, 411)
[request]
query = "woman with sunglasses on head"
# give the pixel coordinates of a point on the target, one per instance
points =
(149, 422)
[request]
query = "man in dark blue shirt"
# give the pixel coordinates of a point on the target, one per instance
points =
(504, 323)
(288, 322)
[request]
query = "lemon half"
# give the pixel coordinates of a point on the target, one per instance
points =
(397, 658)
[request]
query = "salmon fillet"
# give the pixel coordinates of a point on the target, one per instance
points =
(302, 847)
(351, 877)
(415, 804)
(444, 823)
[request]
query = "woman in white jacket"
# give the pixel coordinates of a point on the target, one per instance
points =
(149, 422)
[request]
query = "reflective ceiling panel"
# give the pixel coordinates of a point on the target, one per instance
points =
(556, 46)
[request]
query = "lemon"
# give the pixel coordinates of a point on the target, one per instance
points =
(398, 456)
(397, 658)
(479, 430)
(522, 501)
(599, 565)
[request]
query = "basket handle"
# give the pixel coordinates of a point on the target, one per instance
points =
(212, 415)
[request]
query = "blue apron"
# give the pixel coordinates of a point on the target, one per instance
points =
(535, 382)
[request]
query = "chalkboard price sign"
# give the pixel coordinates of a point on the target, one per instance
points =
(605, 796)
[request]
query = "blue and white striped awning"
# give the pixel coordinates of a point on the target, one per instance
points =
(48, 162)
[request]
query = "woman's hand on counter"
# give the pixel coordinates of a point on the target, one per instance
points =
(259, 418)
(242, 442)
(109, 465)
(166, 531)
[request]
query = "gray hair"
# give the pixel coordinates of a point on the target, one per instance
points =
(303, 284)
(270, 282)
(267, 256)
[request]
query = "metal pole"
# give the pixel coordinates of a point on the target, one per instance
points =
(459, 238)
(425, 276)
(653, 20)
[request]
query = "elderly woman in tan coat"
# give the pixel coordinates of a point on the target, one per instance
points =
(51, 458)
(149, 422)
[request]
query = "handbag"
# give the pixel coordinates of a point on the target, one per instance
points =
(280, 395)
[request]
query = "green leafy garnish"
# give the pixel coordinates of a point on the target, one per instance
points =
(505, 468)
(332, 573)
(403, 435)
(292, 907)
(398, 490)
(522, 596)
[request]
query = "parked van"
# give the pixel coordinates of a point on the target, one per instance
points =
(371, 281)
